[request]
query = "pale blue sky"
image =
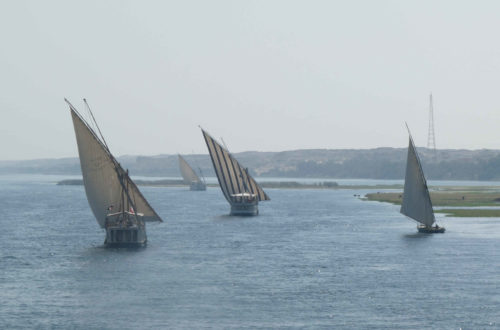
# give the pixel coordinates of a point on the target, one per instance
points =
(264, 75)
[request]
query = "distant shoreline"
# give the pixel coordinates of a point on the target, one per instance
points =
(469, 200)
(476, 202)
(271, 185)
(334, 164)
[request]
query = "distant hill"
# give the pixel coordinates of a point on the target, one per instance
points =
(379, 163)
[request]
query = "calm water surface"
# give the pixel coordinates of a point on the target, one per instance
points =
(312, 259)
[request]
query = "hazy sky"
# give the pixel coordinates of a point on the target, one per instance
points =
(264, 75)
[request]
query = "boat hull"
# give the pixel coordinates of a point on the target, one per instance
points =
(121, 236)
(197, 186)
(430, 230)
(245, 209)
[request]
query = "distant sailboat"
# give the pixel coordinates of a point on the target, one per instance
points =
(117, 204)
(417, 203)
(239, 188)
(190, 177)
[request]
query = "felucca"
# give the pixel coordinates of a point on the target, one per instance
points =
(239, 188)
(417, 203)
(118, 205)
(190, 177)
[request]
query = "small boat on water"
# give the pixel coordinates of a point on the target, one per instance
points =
(240, 189)
(190, 177)
(417, 203)
(117, 203)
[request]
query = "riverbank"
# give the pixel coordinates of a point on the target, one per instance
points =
(269, 184)
(469, 200)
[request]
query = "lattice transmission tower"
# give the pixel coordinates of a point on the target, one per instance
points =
(431, 136)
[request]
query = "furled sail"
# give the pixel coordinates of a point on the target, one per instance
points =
(233, 178)
(101, 172)
(416, 199)
(187, 172)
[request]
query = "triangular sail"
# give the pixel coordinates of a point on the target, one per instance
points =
(233, 178)
(188, 174)
(100, 176)
(416, 199)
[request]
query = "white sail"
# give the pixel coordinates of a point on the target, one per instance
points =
(187, 172)
(100, 176)
(416, 199)
(233, 179)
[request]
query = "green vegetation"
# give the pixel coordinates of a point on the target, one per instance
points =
(475, 213)
(394, 198)
(379, 163)
(295, 185)
(455, 197)
(445, 198)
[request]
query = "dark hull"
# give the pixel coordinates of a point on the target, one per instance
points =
(121, 236)
(245, 209)
(125, 245)
(430, 230)
(198, 186)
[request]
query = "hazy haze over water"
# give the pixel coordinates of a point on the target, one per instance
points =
(265, 75)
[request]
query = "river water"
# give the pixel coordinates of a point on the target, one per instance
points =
(317, 259)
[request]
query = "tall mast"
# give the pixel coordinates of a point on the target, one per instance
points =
(202, 177)
(122, 177)
(201, 174)
(124, 207)
(431, 137)
(126, 185)
(96, 125)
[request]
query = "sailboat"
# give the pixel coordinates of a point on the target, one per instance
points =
(190, 177)
(239, 188)
(417, 203)
(118, 205)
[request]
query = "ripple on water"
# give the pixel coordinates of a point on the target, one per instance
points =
(311, 259)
